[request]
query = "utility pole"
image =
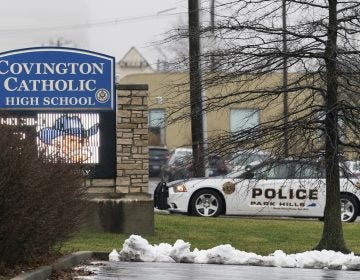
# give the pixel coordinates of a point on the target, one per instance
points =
(285, 81)
(196, 90)
(212, 28)
(60, 42)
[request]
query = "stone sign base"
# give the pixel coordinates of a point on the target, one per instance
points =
(127, 216)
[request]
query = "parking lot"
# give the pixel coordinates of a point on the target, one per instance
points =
(179, 271)
(153, 181)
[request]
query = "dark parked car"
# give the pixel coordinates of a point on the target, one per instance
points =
(179, 165)
(157, 158)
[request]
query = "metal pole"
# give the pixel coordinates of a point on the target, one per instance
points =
(285, 82)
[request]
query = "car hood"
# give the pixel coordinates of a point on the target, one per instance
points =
(201, 182)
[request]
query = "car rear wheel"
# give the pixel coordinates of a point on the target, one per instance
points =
(206, 203)
(349, 208)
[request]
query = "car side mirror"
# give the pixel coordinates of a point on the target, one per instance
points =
(248, 175)
(248, 168)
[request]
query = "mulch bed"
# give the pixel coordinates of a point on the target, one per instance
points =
(69, 274)
(8, 273)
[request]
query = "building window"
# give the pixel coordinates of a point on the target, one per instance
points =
(157, 127)
(241, 119)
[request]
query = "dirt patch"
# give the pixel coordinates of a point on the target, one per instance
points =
(69, 274)
(78, 271)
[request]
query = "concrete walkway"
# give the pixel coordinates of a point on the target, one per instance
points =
(180, 271)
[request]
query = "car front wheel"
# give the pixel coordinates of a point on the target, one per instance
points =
(206, 203)
(349, 208)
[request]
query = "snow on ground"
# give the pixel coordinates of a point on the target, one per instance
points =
(136, 248)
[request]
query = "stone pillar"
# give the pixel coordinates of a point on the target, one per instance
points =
(132, 181)
(132, 141)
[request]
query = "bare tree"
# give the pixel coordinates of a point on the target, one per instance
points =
(322, 55)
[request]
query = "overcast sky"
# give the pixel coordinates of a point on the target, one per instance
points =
(105, 26)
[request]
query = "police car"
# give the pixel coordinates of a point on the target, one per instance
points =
(273, 188)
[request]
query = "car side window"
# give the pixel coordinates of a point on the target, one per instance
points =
(308, 171)
(265, 172)
(274, 171)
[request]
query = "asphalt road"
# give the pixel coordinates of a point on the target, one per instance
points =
(152, 184)
(182, 271)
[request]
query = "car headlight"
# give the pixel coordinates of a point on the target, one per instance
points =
(180, 188)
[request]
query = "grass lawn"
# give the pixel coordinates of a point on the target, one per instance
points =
(261, 236)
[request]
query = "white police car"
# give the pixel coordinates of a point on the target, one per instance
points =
(272, 188)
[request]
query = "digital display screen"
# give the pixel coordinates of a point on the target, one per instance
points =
(75, 138)
(84, 138)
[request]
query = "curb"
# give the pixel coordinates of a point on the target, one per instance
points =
(72, 260)
(41, 273)
(66, 262)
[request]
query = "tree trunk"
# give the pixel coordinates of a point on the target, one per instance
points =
(332, 236)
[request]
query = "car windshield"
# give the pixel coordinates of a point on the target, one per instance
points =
(157, 153)
(180, 157)
(246, 159)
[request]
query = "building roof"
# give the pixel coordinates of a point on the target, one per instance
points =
(134, 59)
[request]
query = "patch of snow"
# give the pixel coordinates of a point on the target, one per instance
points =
(136, 248)
(114, 256)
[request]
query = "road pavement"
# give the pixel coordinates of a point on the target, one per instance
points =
(181, 271)
(153, 181)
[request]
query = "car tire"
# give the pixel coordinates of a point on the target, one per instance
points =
(206, 203)
(349, 208)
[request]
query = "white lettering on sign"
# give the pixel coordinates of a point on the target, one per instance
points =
(12, 84)
(68, 101)
(15, 84)
(42, 68)
(22, 101)
(53, 101)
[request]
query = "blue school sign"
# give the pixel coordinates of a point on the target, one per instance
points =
(56, 79)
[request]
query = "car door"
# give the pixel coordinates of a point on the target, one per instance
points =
(283, 189)
(258, 195)
(264, 188)
(309, 189)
